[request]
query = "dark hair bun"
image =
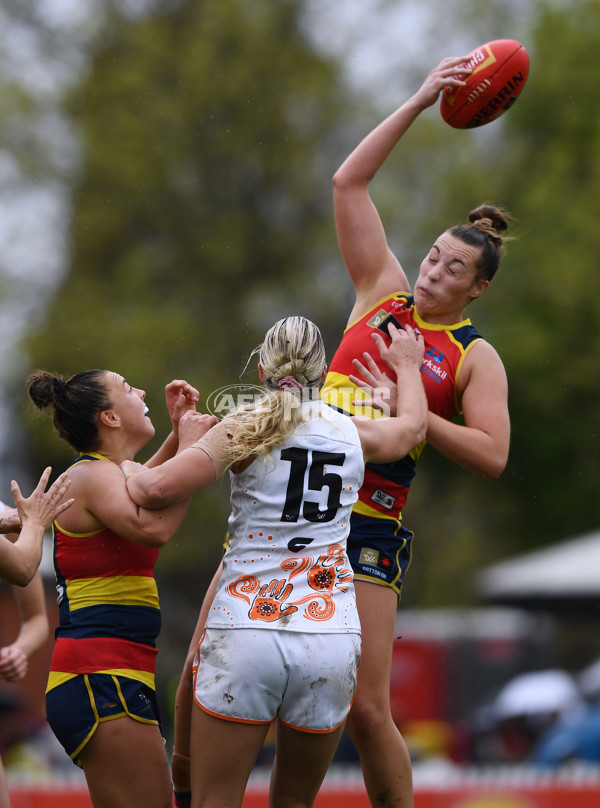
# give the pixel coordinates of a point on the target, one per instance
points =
(489, 220)
(41, 388)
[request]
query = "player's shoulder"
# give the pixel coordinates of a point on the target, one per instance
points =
(482, 351)
(91, 471)
(483, 361)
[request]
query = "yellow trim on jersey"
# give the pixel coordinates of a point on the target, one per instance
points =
(374, 306)
(362, 509)
(464, 352)
(340, 392)
(80, 535)
(439, 326)
(56, 678)
(122, 590)
(418, 450)
(83, 457)
(418, 319)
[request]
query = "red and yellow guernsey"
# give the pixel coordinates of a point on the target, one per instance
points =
(109, 613)
(386, 486)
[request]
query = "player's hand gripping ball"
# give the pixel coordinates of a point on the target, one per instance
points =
(499, 72)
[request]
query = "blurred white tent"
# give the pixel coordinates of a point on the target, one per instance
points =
(552, 691)
(565, 575)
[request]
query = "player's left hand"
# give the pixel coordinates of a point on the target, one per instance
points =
(451, 72)
(42, 507)
(379, 388)
(405, 349)
(181, 398)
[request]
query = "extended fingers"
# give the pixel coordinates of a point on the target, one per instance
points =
(60, 486)
(379, 341)
(407, 333)
(184, 388)
(366, 380)
(181, 406)
(16, 492)
(41, 486)
(447, 69)
(63, 506)
(372, 364)
(360, 383)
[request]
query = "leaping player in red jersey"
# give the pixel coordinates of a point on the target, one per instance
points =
(462, 374)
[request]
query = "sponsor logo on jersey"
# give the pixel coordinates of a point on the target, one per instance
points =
(385, 561)
(376, 561)
(380, 497)
(437, 357)
(432, 365)
(378, 318)
(103, 704)
(145, 701)
(369, 556)
(299, 543)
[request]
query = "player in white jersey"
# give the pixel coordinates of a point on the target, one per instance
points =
(295, 538)
(282, 637)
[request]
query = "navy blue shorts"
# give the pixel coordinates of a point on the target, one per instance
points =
(380, 551)
(75, 708)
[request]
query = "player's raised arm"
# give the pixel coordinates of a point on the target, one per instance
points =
(374, 269)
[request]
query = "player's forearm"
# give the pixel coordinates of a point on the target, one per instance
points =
(33, 634)
(165, 452)
(19, 561)
(31, 601)
(411, 401)
(154, 527)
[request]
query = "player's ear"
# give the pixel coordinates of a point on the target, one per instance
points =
(110, 418)
(478, 289)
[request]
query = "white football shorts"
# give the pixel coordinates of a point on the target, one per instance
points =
(305, 680)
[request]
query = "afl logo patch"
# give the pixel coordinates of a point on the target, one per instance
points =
(369, 556)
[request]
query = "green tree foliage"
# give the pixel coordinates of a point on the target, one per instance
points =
(203, 213)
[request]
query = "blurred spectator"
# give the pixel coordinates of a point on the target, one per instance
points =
(509, 729)
(571, 738)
